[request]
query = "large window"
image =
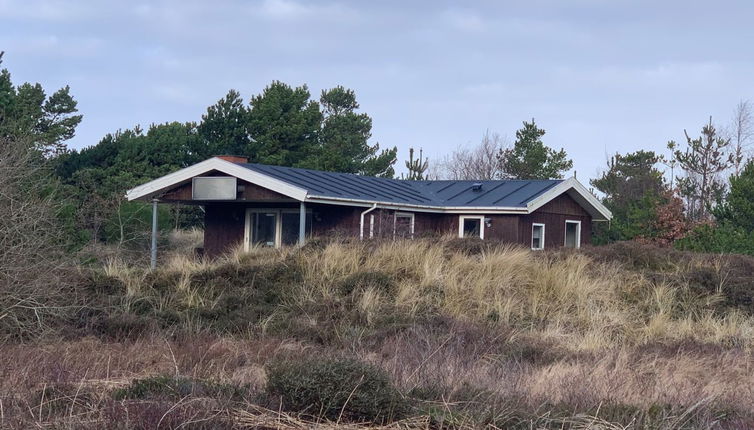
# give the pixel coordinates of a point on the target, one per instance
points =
(274, 227)
(471, 226)
(572, 234)
(403, 225)
(537, 236)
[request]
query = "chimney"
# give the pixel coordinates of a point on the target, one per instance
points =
(233, 158)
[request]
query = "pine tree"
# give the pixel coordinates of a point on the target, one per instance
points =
(703, 160)
(416, 168)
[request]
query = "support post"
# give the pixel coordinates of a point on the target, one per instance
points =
(153, 259)
(302, 224)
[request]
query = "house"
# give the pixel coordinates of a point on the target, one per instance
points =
(277, 206)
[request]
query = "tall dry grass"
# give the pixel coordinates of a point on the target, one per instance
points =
(569, 297)
(473, 335)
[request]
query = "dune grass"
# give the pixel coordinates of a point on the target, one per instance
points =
(470, 334)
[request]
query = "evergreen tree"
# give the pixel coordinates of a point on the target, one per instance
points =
(224, 129)
(27, 114)
(416, 168)
(738, 208)
(635, 192)
(703, 160)
(344, 138)
(530, 158)
(284, 126)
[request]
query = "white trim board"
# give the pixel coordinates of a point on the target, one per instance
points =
(541, 239)
(578, 233)
(576, 191)
(154, 188)
(462, 218)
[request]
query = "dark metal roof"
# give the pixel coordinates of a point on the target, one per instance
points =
(448, 193)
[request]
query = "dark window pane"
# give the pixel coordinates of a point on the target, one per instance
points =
(403, 226)
(290, 227)
(263, 232)
(472, 227)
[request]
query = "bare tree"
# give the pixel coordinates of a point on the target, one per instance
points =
(32, 258)
(741, 133)
(478, 162)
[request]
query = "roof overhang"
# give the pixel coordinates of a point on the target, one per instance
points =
(159, 186)
(579, 193)
(156, 188)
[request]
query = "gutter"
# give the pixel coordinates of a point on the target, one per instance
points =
(361, 221)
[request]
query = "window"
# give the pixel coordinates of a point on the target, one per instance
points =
(274, 227)
(264, 226)
(403, 225)
(572, 234)
(537, 236)
(214, 188)
(471, 226)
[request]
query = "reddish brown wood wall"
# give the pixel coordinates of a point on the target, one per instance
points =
(554, 216)
(224, 226)
(225, 223)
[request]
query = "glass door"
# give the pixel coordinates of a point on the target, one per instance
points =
(290, 226)
(264, 226)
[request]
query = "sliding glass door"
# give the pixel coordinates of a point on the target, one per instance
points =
(275, 227)
(264, 228)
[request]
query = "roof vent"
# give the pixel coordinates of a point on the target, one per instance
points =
(477, 186)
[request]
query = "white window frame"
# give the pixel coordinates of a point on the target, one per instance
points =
(371, 226)
(278, 224)
(578, 233)
(396, 215)
(541, 240)
(462, 218)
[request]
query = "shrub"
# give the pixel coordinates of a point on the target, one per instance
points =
(336, 389)
(176, 387)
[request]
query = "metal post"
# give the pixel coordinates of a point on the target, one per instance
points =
(153, 260)
(302, 225)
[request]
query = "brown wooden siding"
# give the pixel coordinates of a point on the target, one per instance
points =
(225, 222)
(554, 216)
(224, 226)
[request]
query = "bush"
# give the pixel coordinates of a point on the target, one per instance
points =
(336, 389)
(176, 387)
(718, 239)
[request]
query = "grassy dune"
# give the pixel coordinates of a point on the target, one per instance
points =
(440, 333)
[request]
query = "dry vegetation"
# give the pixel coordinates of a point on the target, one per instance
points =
(420, 334)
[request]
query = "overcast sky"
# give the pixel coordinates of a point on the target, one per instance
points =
(599, 76)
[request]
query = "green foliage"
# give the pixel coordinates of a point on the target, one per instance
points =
(719, 239)
(224, 129)
(26, 113)
(704, 158)
(737, 210)
(284, 125)
(530, 158)
(131, 220)
(633, 190)
(176, 388)
(344, 138)
(416, 168)
(336, 389)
